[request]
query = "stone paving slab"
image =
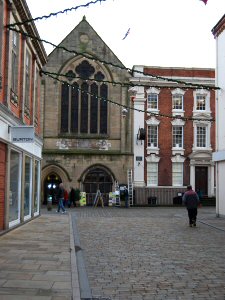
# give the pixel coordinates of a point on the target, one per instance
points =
(151, 253)
(35, 261)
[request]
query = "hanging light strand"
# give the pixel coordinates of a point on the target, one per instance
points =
(54, 14)
(123, 84)
(129, 107)
(130, 71)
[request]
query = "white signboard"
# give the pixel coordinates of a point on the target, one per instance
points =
(22, 134)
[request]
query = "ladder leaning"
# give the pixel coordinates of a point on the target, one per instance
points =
(130, 186)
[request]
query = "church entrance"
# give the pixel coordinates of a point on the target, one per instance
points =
(51, 184)
(97, 179)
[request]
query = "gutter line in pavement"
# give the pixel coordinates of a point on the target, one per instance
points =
(85, 290)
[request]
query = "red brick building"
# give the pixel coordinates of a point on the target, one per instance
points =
(180, 133)
(21, 59)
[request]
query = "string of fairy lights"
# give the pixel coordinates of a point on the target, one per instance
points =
(55, 14)
(93, 58)
(127, 107)
(104, 62)
(122, 84)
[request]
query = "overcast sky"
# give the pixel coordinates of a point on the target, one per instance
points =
(166, 33)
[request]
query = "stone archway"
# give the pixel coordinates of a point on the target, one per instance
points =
(52, 175)
(97, 178)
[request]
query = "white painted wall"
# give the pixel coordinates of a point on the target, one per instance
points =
(139, 103)
(220, 81)
(31, 148)
(219, 155)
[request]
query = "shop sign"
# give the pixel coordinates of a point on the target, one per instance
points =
(22, 134)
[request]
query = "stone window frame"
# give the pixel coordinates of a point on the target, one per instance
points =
(101, 132)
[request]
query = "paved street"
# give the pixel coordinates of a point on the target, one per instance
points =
(151, 253)
(119, 254)
(35, 261)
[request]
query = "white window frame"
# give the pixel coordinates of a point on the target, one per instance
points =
(206, 95)
(153, 122)
(178, 123)
(179, 173)
(151, 160)
(178, 160)
(156, 92)
(207, 126)
(177, 146)
(155, 137)
(178, 92)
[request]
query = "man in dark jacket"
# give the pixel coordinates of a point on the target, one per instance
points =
(191, 201)
(60, 198)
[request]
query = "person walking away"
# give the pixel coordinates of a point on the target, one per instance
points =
(72, 197)
(191, 201)
(60, 198)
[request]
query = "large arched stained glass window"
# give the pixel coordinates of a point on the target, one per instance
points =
(84, 109)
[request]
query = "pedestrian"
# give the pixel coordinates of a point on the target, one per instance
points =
(191, 201)
(72, 197)
(77, 195)
(60, 198)
(66, 198)
(126, 197)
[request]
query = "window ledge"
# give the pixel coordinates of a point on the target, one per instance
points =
(152, 150)
(208, 148)
(202, 113)
(152, 111)
(177, 112)
(177, 151)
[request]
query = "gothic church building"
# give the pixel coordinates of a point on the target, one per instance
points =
(87, 142)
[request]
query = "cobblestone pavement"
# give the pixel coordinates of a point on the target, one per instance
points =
(151, 253)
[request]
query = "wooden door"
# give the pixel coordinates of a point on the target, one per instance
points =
(201, 180)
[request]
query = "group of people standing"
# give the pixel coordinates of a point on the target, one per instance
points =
(190, 200)
(66, 199)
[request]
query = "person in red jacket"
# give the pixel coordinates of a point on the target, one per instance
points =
(66, 198)
(191, 201)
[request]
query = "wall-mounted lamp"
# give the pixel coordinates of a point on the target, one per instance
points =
(124, 112)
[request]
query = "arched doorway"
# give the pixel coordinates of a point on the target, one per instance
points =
(52, 174)
(51, 184)
(95, 179)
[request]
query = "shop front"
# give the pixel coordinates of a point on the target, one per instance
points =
(20, 179)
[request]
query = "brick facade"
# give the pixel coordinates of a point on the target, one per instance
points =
(18, 86)
(189, 156)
